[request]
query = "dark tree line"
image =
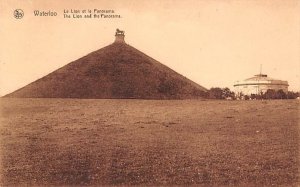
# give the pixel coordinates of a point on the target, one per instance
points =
(221, 93)
(279, 94)
(226, 93)
(272, 94)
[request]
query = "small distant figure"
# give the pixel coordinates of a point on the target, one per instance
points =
(119, 32)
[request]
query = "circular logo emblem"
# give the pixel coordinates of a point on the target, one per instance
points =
(18, 13)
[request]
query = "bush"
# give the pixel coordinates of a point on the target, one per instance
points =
(280, 94)
(215, 93)
(220, 93)
(292, 95)
(269, 94)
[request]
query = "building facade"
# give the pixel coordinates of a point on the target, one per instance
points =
(259, 84)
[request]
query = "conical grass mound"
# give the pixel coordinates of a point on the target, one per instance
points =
(117, 71)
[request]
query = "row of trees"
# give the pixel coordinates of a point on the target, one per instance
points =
(226, 93)
(272, 94)
(221, 93)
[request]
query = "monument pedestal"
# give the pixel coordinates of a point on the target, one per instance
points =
(120, 38)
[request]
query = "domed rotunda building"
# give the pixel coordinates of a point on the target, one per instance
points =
(259, 84)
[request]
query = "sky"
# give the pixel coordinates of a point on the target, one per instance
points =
(214, 43)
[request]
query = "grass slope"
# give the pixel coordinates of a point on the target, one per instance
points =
(113, 142)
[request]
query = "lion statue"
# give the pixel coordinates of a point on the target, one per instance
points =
(119, 32)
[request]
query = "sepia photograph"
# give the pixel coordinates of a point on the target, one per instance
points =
(150, 93)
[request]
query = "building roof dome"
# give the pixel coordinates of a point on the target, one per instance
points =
(260, 77)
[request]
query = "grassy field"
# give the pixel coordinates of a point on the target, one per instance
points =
(140, 142)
